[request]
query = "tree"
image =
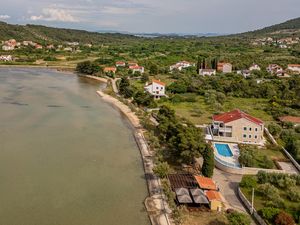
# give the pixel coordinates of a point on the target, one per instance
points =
(153, 69)
(237, 218)
(284, 218)
(269, 213)
(275, 129)
(145, 77)
(162, 169)
(87, 67)
(124, 88)
(208, 162)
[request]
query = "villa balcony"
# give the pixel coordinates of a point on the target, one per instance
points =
(225, 129)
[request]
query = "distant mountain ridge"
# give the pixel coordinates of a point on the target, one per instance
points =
(41, 33)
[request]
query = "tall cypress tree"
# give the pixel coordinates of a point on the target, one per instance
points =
(208, 162)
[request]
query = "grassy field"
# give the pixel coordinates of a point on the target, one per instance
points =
(253, 106)
(205, 218)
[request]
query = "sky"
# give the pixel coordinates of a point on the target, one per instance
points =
(150, 16)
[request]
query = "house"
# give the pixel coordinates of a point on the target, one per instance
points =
(207, 72)
(215, 200)
(156, 88)
(206, 183)
(50, 47)
(7, 48)
(37, 46)
(254, 67)
(274, 69)
(110, 70)
(224, 67)
(245, 73)
(294, 68)
(132, 64)
(120, 64)
(135, 69)
(181, 65)
(238, 127)
(6, 58)
(68, 49)
(290, 119)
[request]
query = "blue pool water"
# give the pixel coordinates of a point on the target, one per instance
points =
(224, 150)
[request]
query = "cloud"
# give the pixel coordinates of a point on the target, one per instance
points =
(55, 14)
(4, 17)
(119, 10)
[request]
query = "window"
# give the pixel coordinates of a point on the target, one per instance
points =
(256, 129)
(255, 136)
(245, 128)
(250, 136)
(250, 128)
(244, 136)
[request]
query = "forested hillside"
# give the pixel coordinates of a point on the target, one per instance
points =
(43, 33)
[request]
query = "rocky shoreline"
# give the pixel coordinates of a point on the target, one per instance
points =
(156, 204)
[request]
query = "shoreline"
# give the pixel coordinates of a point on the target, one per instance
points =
(156, 204)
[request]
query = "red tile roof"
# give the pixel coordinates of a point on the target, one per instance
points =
(135, 67)
(206, 183)
(236, 115)
(292, 119)
(159, 82)
(294, 65)
(213, 195)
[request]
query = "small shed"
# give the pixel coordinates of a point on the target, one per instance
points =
(199, 196)
(215, 200)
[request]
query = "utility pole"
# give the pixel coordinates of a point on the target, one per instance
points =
(252, 201)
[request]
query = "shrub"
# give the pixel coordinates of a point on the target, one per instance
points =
(293, 194)
(275, 129)
(249, 182)
(237, 218)
(246, 158)
(162, 169)
(269, 192)
(284, 218)
(269, 213)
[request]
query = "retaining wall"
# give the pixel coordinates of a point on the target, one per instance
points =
(255, 215)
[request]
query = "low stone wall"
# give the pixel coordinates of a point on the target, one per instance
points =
(255, 215)
(246, 170)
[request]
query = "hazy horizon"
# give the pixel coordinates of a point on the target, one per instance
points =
(145, 16)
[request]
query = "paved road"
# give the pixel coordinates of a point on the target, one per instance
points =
(228, 184)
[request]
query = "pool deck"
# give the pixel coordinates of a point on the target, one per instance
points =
(234, 160)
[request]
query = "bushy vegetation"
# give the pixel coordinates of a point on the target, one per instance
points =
(276, 195)
(236, 218)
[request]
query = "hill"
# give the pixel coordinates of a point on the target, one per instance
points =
(289, 27)
(50, 34)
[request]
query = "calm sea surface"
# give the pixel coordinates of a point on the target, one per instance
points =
(66, 157)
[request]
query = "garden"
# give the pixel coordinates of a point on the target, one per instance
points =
(276, 198)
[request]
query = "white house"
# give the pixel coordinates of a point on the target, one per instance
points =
(156, 88)
(274, 69)
(207, 72)
(6, 58)
(120, 64)
(8, 47)
(181, 65)
(135, 69)
(254, 67)
(245, 73)
(294, 68)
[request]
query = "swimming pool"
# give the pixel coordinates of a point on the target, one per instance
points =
(224, 150)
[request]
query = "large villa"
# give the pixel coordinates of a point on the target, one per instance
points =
(237, 127)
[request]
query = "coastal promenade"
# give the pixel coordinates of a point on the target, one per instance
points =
(156, 204)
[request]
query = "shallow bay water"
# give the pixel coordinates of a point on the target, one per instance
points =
(66, 157)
